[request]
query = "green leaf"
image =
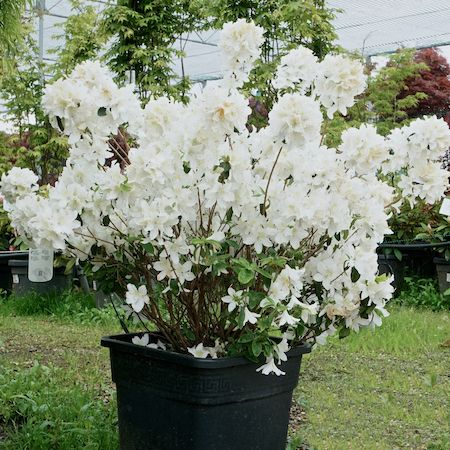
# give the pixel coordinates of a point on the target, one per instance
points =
(245, 276)
(69, 266)
(264, 273)
(148, 248)
(232, 243)
(398, 254)
(256, 348)
(242, 262)
(344, 332)
(355, 275)
(60, 123)
(241, 318)
(246, 338)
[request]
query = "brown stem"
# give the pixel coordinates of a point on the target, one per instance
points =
(268, 181)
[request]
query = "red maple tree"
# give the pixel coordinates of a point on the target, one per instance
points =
(434, 82)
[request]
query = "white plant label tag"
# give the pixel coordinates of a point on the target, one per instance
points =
(40, 265)
(448, 278)
(15, 278)
(445, 207)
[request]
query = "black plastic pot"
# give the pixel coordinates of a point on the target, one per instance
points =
(170, 401)
(22, 285)
(5, 269)
(391, 265)
(418, 256)
(443, 272)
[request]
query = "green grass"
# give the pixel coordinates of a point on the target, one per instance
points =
(423, 293)
(44, 407)
(73, 307)
(384, 390)
(388, 389)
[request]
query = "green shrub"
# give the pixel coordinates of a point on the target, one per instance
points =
(423, 293)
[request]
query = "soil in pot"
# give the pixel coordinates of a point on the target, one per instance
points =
(169, 401)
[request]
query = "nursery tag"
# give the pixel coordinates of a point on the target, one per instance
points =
(15, 278)
(448, 278)
(445, 207)
(40, 265)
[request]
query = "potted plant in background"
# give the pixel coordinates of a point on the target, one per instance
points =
(405, 248)
(8, 250)
(235, 250)
(436, 232)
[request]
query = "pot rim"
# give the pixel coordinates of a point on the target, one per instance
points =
(122, 343)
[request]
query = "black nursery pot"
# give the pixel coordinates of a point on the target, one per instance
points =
(443, 273)
(389, 264)
(170, 401)
(22, 285)
(5, 269)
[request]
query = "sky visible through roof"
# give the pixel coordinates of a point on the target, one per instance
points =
(368, 26)
(371, 27)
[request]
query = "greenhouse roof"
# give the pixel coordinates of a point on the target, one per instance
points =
(371, 27)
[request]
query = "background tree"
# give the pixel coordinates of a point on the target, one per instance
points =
(11, 23)
(388, 96)
(145, 34)
(82, 38)
(434, 81)
(386, 101)
(35, 144)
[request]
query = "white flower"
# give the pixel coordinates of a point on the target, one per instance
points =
(281, 349)
(297, 119)
(159, 345)
(339, 81)
(250, 316)
(233, 299)
(240, 42)
(137, 297)
(18, 183)
(270, 367)
(298, 69)
(144, 341)
(223, 110)
(286, 319)
(141, 340)
(199, 351)
(363, 150)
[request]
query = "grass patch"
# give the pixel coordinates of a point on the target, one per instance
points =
(383, 390)
(44, 407)
(388, 389)
(55, 385)
(72, 306)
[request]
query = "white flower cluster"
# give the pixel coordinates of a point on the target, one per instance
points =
(417, 151)
(92, 101)
(340, 79)
(298, 69)
(18, 183)
(335, 81)
(196, 179)
(240, 42)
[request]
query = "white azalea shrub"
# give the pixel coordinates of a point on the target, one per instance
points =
(231, 242)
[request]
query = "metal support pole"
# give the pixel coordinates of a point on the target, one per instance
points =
(40, 9)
